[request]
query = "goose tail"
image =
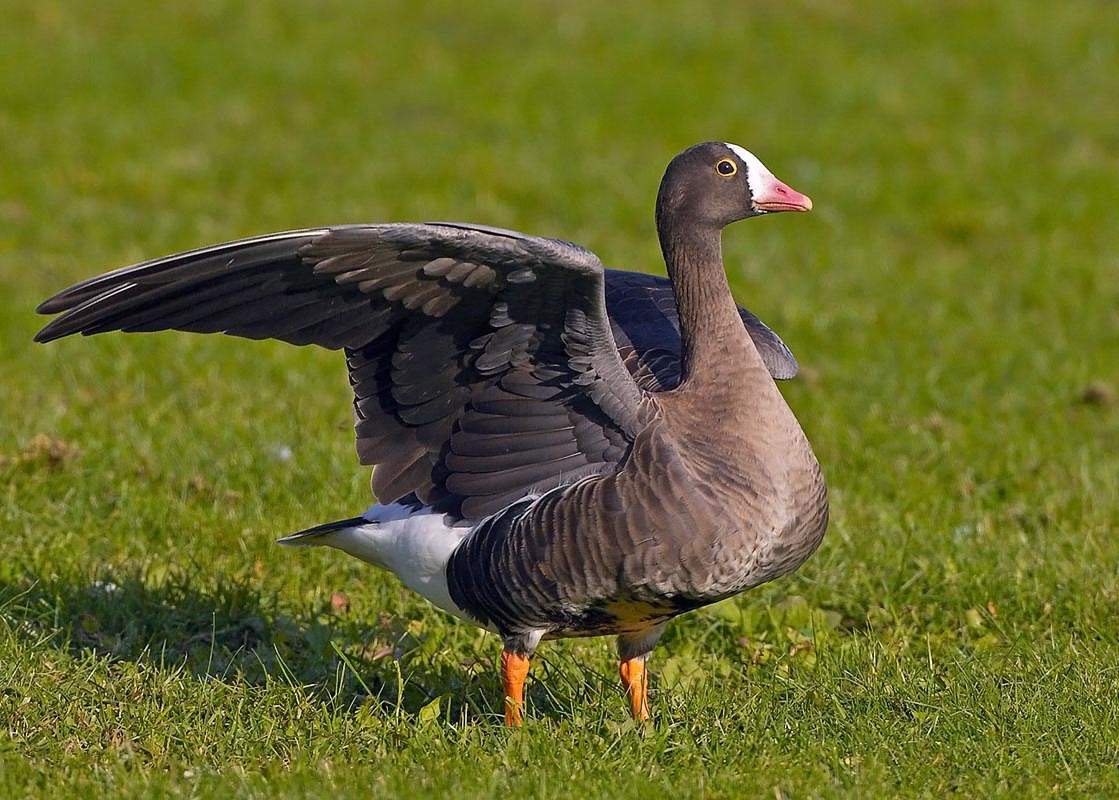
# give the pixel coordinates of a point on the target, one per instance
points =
(307, 537)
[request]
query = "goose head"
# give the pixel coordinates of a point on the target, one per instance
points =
(716, 183)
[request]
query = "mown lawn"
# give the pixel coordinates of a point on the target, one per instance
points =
(954, 301)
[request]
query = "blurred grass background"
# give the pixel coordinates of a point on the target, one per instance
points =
(954, 302)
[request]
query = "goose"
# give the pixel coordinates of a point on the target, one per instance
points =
(558, 449)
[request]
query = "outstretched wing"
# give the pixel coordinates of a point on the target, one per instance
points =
(482, 362)
(646, 328)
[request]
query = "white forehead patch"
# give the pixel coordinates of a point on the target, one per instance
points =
(756, 172)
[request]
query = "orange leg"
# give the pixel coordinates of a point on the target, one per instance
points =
(636, 681)
(514, 670)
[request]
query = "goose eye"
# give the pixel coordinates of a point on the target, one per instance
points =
(726, 167)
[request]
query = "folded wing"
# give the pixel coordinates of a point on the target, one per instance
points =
(646, 327)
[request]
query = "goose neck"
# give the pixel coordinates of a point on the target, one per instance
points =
(716, 349)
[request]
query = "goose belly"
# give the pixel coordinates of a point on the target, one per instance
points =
(592, 559)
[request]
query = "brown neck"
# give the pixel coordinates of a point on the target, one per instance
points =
(718, 354)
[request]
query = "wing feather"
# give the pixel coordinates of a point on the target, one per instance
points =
(646, 329)
(482, 361)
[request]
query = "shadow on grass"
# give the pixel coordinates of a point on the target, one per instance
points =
(231, 632)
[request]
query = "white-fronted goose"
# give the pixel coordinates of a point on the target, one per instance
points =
(559, 450)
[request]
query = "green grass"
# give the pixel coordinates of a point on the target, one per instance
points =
(954, 300)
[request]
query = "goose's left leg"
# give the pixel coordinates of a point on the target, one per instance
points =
(516, 656)
(633, 652)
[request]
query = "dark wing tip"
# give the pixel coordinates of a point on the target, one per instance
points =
(56, 328)
(52, 305)
(78, 293)
(66, 300)
(778, 358)
(787, 369)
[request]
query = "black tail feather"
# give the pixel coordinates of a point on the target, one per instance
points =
(300, 537)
